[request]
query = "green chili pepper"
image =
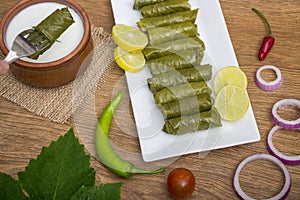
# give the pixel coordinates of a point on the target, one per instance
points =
(105, 152)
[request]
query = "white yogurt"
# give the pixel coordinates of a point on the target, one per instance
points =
(32, 16)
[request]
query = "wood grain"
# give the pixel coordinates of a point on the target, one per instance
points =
(22, 134)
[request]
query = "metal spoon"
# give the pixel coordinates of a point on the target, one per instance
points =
(21, 47)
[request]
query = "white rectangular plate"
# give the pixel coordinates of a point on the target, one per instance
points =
(157, 145)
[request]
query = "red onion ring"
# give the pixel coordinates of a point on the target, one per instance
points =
(265, 85)
(289, 160)
(286, 124)
(286, 188)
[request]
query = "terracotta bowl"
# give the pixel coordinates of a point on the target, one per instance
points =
(55, 72)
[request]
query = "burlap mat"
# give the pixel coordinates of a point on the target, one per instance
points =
(58, 104)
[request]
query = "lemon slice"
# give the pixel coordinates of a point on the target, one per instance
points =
(230, 75)
(232, 103)
(129, 38)
(129, 61)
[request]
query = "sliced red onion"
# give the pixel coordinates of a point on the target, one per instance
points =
(286, 188)
(286, 124)
(265, 85)
(289, 160)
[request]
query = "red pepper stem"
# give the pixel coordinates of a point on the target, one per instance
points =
(264, 19)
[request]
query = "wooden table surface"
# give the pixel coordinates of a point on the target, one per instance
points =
(22, 134)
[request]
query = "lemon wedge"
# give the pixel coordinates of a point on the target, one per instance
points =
(230, 75)
(129, 38)
(232, 103)
(129, 61)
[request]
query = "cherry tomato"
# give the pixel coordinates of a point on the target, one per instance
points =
(181, 183)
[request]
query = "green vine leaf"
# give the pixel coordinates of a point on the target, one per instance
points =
(62, 171)
(10, 188)
(109, 191)
(59, 171)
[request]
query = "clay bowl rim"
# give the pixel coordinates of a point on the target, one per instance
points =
(10, 14)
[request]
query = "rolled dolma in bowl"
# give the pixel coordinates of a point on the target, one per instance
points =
(72, 49)
(184, 59)
(165, 8)
(193, 123)
(50, 29)
(173, 47)
(178, 17)
(186, 106)
(172, 32)
(182, 91)
(176, 77)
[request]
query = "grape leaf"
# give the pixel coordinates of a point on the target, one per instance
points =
(10, 188)
(59, 171)
(101, 192)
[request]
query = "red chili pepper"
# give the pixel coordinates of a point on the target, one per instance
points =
(268, 40)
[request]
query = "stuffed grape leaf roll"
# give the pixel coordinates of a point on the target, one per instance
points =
(173, 46)
(193, 123)
(182, 91)
(184, 16)
(186, 106)
(138, 4)
(184, 59)
(165, 8)
(50, 29)
(176, 77)
(172, 32)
